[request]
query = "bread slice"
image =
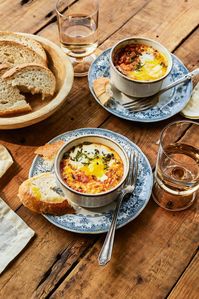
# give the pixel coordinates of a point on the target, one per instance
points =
(48, 152)
(102, 89)
(41, 195)
(3, 68)
(16, 53)
(32, 78)
(11, 101)
(24, 40)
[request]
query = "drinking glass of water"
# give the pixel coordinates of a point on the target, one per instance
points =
(177, 169)
(78, 32)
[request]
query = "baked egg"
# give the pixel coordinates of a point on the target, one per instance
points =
(91, 168)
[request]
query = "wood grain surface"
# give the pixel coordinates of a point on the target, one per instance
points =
(188, 283)
(155, 256)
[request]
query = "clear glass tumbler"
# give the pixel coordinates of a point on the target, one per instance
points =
(78, 32)
(177, 168)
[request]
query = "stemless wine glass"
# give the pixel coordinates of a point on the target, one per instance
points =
(78, 32)
(177, 168)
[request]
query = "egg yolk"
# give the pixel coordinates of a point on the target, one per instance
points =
(96, 168)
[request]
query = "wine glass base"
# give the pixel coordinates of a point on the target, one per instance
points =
(81, 65)
(172, 202)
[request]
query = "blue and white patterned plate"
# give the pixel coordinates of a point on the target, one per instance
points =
(170, 102)
(94, 221)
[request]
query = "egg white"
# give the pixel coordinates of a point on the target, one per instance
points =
(96, 166)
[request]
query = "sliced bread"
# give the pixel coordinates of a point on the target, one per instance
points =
(49, 151)
(16, 53)
(11, 101)
(33, 78)
(102, 89)
(41, 195)
(24, 40)
(3, 68)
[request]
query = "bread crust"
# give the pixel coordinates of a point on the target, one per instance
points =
(102, 89)
(28, 199)
(21, 68)
(14, 111)
(8, 36)
(11, 101)
(99, 85)
(49, 150)
(22, 47)
(3, 68)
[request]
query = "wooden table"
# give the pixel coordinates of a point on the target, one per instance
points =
(155, 256)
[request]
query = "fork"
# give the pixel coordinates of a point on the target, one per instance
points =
(140, 104)
(106, 251)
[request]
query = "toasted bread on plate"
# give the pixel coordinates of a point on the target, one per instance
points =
(102, 89)
(49, 150)
(41, 195)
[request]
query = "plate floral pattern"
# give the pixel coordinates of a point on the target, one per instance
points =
(95, 221)
(170, 102)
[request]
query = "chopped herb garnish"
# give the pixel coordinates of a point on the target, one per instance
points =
(108, 157)
(85, 163)
(78, 155)
(133, 57)
(72, 149)
(138, 66)
(105, 166)
(66, 155)
(162, 64)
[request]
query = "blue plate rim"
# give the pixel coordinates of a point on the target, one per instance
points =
(133, 145)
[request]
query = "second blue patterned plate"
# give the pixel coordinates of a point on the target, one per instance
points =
(170, 102)
(94, 221)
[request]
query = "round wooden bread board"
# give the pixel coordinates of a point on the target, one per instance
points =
(62, 68)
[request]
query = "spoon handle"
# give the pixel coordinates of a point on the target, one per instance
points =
(106, 251)
(181, 80)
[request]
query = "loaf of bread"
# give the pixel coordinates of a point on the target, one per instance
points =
(32, 78)
(16, 53)
(24, 40)
(11, 101)
(41, 195)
